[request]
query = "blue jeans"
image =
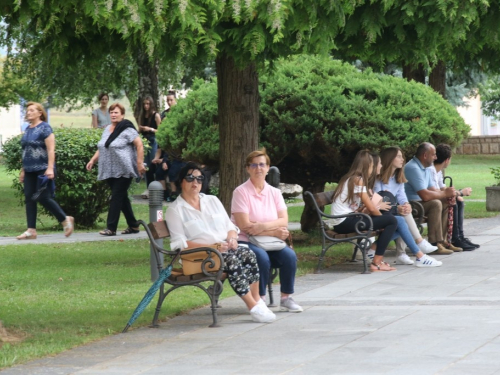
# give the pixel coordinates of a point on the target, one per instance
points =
(30, 184)
(285, 260)
(404, 232)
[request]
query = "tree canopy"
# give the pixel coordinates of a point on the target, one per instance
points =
(316, 113)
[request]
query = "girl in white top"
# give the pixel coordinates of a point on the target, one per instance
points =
(350, 195)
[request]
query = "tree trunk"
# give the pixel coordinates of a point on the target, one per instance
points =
(437, 78)
(309, 217)
(238, 114)
(147, 74)
(412, 72)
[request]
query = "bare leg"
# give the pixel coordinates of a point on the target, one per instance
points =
(249, 299)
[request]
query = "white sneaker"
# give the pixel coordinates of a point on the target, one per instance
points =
(262, 302)
(288, 304)
(404, 259)
(427, 261)
(261, 314)
(145, 194)
(426, 247)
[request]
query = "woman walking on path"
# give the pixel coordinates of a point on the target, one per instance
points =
(121, 158)
(100, 116)
(149, 122)
(39, 159)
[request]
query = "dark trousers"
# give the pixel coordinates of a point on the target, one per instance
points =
(148, 158)
(30, 180)
(388, 223)
(120, 202)
(285, 260)
(458, 221)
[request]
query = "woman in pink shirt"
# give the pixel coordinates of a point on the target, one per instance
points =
(259, 209)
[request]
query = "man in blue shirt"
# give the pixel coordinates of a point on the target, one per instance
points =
(421, 188)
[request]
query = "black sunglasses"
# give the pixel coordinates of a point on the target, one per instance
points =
(191, 178)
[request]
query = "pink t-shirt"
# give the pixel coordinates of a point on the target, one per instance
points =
(261, 207)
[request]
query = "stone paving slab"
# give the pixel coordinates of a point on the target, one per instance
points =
(444, 320)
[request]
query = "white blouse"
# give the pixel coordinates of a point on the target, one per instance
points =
(341, 206)
(207, 226)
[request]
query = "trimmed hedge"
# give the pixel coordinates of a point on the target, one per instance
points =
(77, 190)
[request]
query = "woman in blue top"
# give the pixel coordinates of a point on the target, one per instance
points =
(392, 179)
(402, 232)
(38, 145)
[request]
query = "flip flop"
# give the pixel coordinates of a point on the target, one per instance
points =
(27, 236)
(377, 266)
(68, 225)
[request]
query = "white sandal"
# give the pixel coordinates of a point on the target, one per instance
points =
(68, 225)
(27, 236)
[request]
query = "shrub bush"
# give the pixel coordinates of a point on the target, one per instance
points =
(316, 113)
(77, 190)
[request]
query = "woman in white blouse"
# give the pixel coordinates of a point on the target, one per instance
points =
(197, 220)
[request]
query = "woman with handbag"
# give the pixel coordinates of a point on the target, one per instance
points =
(199, 220)
(350, 195)
(386, 202)
(120, 154)
(259, 210)
(38, 144)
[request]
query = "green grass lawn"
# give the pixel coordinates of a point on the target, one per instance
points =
(59, 296)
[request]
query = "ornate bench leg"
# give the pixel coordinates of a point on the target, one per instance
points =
(161, 298)
(354, 253)
(321, 259)
(273, 273)
(214, 293)
(364, 244)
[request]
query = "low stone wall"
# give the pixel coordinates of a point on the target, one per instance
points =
(480, 144)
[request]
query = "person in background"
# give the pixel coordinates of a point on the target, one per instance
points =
(100, 116)
(420, 187)
(39, 159)
(350, 194)
(121, 158)
(257, 208)
(149, 122)
(392, 178)
(443, 160)
(171, 101)
(198, 220)
(403, 232)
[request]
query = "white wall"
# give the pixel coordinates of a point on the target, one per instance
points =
(473, 116)
(10, 123)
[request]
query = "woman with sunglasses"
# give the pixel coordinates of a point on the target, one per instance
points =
(259, 209)
(198, 220)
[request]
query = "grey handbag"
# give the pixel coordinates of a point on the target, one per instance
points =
(268, 243)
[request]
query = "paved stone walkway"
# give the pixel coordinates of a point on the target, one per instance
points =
(444, 320)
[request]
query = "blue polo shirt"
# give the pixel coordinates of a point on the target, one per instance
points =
(419, 178)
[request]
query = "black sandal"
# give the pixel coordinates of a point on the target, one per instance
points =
(107, 232)
(130, 230)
